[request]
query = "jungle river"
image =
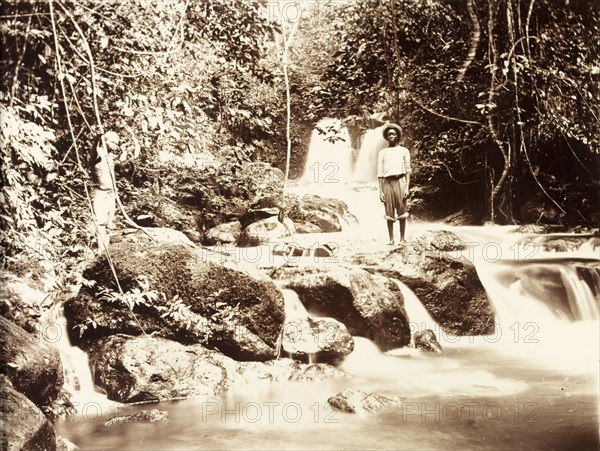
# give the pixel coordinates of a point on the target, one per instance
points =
(531, 385)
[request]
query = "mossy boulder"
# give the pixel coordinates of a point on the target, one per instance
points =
(433, 265)
(226, 233)
(369, 305)
(329, 215)
(33, 367)
(24, 426)
(266, 231)
(136, 369)
(175, 292)
(144, 368)
(326, 339)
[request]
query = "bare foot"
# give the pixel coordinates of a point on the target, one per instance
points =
(390, 242)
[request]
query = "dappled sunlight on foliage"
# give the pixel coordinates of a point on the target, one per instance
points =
(28, 212)
(491, 97)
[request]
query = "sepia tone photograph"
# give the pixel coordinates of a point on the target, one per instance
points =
(300, 225)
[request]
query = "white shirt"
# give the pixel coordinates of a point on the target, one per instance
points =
(393, 161)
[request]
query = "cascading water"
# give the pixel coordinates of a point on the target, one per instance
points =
(533, 384)
(365, 169)
(78, 377)
(330, 159)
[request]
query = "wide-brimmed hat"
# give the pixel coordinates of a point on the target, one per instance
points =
(391, 126)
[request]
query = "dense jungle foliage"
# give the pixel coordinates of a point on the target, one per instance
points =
(498, 100)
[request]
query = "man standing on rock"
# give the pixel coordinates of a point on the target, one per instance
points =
(103, 178)
(393, 172)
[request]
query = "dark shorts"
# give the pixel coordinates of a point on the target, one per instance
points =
(393, 191)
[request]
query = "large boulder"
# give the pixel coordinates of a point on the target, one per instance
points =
(321, 339)
(329, 215)
(33, 367)
(136, 369)
(144, 368)
(266, 231)
(24, 426)
(369, 305)
(258, 214)
(434, 266)
(226, 233)
(175, 292)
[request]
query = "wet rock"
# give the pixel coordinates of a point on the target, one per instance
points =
(534, 228)
(439, 240)
(445, 282)
(360, 401)
(287, 370)
(257, 214)
(146, 220)
(561, 245)
(273, 370)
(323, 338)
(140, 369)
(33, 367)
(176, 293)
(267, 202)
(24, 426)
(427, 341)
(299, 249)
(538, 210)
(266, 231)
(143, 416)
(145, 369)
(317, 372)
(584, 230)
(226, 233)
(329, 215)
(169, 215)
(307, 227)
(64, 444)
(369, 305)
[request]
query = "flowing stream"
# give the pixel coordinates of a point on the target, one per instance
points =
(531, 385)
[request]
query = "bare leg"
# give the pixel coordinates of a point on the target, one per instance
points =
(103, 239)
(390, 226)
(402, 229)
(103, 204)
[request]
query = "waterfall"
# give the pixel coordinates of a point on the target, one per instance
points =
(329, 160)
(418, 316)
(294, 309)
(582, 298)
(365, 169)
(78, 376)
(296, 329)
(537, 373)
(546, 303)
